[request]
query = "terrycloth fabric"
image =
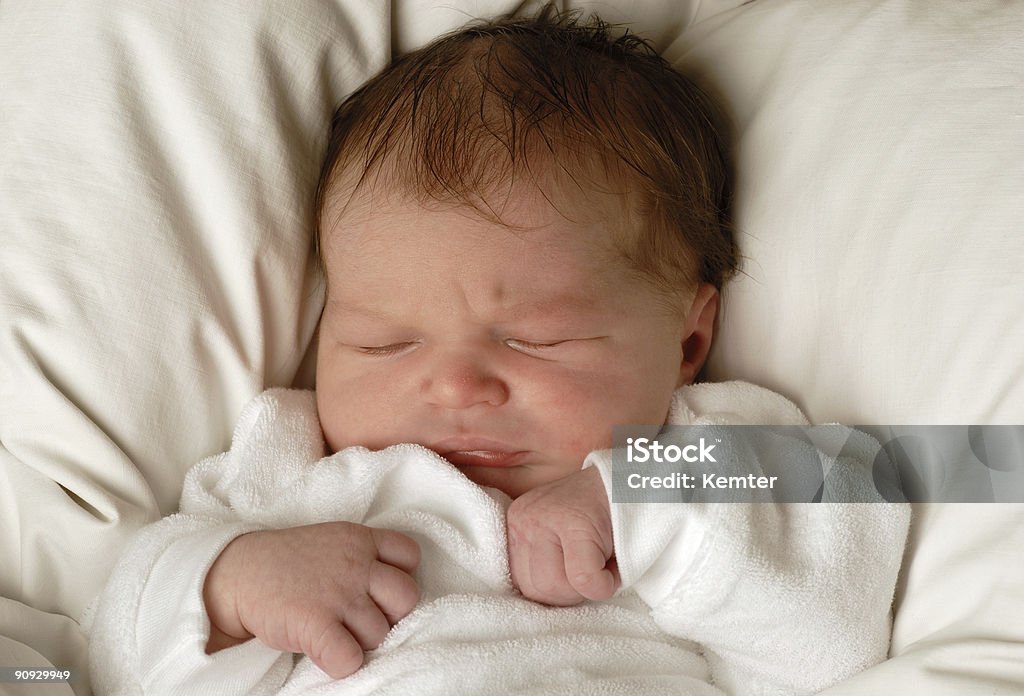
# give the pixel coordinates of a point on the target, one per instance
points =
(494, 644)
(781, 599)
(794, 595)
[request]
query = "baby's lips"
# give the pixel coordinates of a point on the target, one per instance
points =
(477, 451)
(484, 458)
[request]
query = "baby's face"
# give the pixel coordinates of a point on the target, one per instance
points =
(511, 353)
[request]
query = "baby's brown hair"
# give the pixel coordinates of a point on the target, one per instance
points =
(458, 121)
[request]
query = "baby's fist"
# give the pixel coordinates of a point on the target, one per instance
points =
(329, 590)
(560, 548)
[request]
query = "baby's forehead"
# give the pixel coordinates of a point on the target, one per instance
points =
(389, 227)
(525, 233)
(592, 209)
(530, 240)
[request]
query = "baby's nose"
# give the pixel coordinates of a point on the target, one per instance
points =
(459, 380)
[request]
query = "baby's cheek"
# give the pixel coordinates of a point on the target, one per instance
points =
(580, 414)
(360, 412)
(341, 427)
(588, 409)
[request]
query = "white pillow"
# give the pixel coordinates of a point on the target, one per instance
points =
(880, 160)
(880, 151)
(157, 163)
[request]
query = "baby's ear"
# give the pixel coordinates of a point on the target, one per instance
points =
(698, 330)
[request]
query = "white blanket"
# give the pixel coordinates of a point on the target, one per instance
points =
(777, 596)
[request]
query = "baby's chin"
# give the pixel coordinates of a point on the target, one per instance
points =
(512, 481)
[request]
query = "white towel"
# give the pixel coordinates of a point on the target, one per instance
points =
(471, 633)
(721, 577)
(480, 644)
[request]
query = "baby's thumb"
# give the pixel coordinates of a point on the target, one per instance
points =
(590, 572)
(333, 649)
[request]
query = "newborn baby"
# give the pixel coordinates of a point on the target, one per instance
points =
(524, 231)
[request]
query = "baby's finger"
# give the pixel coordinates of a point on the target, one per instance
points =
(543, 579)
(395, 548)
(586, 571)
(394, 591)
(367, 624)
(333, 649)
(612, 566)
(518, 561)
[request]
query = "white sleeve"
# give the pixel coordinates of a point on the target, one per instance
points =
(149, 628)
(785, 598)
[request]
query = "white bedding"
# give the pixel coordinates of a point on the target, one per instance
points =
(709, 596)
(155, 167)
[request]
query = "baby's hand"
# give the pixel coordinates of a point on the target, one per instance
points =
(560, 548)
(328, 590)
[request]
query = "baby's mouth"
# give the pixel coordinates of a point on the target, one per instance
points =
(483, 458)
(477, 451)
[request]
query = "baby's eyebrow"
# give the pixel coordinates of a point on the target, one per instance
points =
(562, 304)
(557, 305)
(336, 304)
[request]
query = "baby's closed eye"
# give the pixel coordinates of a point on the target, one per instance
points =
(387, 349)
(547, 347)
(535, 345)
(551, 347)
